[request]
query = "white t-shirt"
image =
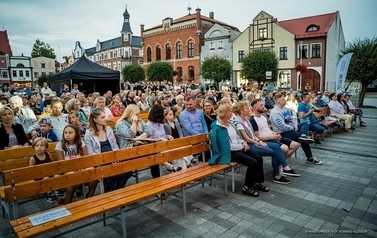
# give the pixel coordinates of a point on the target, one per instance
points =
(72, 150)
(263, 128)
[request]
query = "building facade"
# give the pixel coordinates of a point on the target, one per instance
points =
(315, 41)
(5, 53)
(179, 42)
(20, 71)
(218, 42)
(42, 66)
(120, 51)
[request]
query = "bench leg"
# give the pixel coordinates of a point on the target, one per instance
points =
(137, 176)
(123, 217)
(210, 180)
(15, 210)
(226, 183)
(202, 182)
(184, 200)
(102, 189)
(233, 182)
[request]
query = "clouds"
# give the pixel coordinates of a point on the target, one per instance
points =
(62, 23)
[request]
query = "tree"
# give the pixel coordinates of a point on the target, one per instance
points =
(255, 65)
(40, 48)
(65, 58)
(216, 68)
(160, 71)
(43, 78)
(133, 73)
(363, 66)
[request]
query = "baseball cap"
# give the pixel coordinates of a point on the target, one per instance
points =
(45, 121)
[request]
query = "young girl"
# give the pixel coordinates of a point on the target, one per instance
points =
(86, 108)
(73, 118)
(173, 127)
(72, 147)
(40, 145)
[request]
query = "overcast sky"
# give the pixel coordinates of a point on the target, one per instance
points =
(62, 23)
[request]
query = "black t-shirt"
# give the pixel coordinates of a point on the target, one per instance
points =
(105, 146)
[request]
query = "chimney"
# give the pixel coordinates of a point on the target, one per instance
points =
(142, 32)
(211, 15)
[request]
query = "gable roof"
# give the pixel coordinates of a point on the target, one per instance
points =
(193, 17)
(299, 26)
(4, 43)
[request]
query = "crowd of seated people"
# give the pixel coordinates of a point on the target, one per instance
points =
(256, 121)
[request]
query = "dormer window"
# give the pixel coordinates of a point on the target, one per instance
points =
(312, 28)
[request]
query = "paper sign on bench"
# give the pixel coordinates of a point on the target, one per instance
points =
(49, 216)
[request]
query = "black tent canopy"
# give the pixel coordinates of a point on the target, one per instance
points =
(94, 76)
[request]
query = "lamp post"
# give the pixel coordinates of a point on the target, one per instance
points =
(199, 33)
(300, 79)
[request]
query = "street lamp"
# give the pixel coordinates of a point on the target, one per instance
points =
(199, 33)
(300, 79)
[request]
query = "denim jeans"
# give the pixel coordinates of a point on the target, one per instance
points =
(318, 127)
(278, 157)
(303, 128)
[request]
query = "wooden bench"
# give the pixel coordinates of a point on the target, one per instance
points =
(18, 158)
(20, 183)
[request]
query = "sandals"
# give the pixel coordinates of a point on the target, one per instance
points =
(260, 187)
(250, 192)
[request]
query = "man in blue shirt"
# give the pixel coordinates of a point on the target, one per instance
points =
(192, 119)
(28, 91)
(306, 115)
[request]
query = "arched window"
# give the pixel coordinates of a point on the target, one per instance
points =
(312, 28)
(168, 51)
(20, 66)
(191, 49)
(179, 70)
(158, 52)
(179, 50)
(149, 54)
(191, 72)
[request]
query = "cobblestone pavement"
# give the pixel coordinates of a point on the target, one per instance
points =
(336, 199)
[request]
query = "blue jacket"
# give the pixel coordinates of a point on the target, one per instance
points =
(220, 144)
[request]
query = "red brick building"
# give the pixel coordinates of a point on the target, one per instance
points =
(178, 41)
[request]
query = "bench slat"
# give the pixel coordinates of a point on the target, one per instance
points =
(112, 200)
(31, 188)
(24, 151)
(59, 167)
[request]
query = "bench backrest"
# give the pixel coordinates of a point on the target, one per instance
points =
(20, 157)
(20, 183)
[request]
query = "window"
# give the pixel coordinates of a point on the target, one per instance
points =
(21, 73)
(14, 73)
(4, 74)
(266, 49)
(241, 55)
(220, 44)
(283, 52)
(158, 52)
(179, 70)
(43, 65)
(191, 72)
(20, 66)
(304, 52)
(43, 73)
(27, 73)
(212, 45)
(168, 51)
(312, 28)
(262, 33)
(179, 50)
(284, 79)
(316, 50)
(36, 74)
(149, 54)
(191, 49)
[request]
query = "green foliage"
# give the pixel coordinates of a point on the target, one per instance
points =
(42, 79)
(160, 71)
(40, 48)
(216, 68)
(133, 73)
(255, 65)
(363, 66)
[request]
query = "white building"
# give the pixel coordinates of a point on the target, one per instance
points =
(20, 70)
